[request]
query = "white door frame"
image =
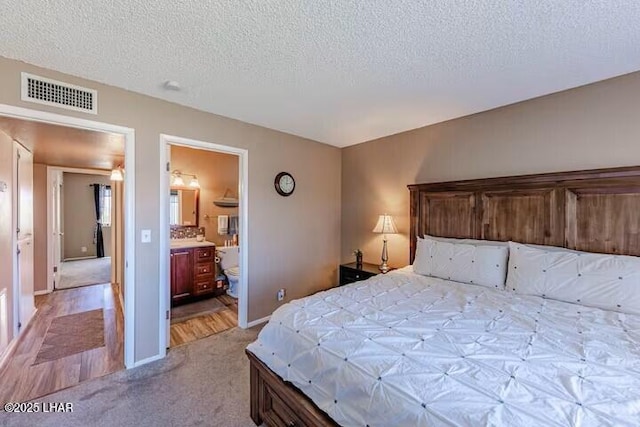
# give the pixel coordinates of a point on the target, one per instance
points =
(51, 170)
(129, 203)
(23, 299)
(243, 190)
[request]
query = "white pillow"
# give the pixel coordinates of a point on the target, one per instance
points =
(552, 248)
(474, 242)
(479, 265)
(611, 282)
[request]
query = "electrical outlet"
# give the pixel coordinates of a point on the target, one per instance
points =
(281, 294)
(83, 249)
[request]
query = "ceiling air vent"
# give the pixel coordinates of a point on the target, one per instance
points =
(59, 94)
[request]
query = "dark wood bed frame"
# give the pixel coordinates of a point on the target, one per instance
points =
(594, 210)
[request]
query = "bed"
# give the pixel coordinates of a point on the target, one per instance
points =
(408, 349)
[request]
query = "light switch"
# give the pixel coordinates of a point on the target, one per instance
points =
(145, 236)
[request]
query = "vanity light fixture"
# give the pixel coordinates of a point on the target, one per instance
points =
(177, 180)
(194, 182)
(116, 174)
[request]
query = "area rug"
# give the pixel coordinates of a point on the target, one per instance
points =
(84, 272)
(200, 308)
(72, 334)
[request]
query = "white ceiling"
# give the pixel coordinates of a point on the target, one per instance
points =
(336, 71)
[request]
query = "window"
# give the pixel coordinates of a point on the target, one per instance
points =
(174, 208)
(105, 220)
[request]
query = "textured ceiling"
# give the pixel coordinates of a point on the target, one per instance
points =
(339, 71)
(64, 146)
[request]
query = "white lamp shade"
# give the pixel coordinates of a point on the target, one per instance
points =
(177, 180)
(385, 225)
(194, 182)
(116, 175)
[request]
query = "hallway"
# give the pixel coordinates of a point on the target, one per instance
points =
(76, 334)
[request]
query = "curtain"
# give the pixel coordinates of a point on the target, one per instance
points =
(98, 198)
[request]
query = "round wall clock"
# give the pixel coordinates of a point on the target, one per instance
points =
(285, 184)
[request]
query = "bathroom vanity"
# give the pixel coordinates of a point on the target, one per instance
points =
(193, 271)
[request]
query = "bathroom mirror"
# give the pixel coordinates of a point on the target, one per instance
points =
(183, 207)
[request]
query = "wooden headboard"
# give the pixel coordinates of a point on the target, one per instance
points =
(595, 210)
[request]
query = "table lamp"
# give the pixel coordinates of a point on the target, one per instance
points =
(385, 226)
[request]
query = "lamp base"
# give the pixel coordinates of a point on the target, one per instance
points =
(385, 257)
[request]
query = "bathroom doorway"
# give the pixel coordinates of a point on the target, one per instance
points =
(204, 238)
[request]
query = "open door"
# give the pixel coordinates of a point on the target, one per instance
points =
(23, 261)
(56, 225)
(117, 234)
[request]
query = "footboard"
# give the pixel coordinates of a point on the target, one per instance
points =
(277, 403)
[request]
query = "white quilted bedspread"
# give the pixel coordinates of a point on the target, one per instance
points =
(406, 350)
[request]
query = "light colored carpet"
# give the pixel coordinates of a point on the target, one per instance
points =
(84, 272)
(195, 309)
(205, 383)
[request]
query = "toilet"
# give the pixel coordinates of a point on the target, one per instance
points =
(229, 262)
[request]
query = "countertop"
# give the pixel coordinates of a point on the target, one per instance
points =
(189, 243)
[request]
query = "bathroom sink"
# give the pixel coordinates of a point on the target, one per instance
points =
(189, 243)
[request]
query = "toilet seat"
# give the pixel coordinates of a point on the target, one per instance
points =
(233, 271)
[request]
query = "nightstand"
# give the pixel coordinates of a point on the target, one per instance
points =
(349, 273)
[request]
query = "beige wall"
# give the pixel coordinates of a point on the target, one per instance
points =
(40, 226)
(80, 215)
(216, 172)
(589, 127)
(293, 241)
(6, 246)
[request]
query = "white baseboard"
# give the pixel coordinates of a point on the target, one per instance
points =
(79, 258)
(258, 321)
(46, 291)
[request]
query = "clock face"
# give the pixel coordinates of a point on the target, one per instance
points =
(285, 184)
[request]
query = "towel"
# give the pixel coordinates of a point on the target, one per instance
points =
(233, 225)
(223, 225)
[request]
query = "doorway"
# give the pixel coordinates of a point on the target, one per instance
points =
(90, 305)
(83, 224)
(217, 214)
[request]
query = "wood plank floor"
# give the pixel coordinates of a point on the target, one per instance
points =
(206, 325)
(22, 380)
(231, 303)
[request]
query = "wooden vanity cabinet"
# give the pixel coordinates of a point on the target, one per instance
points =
(181, 274)
(193, 273)
(204, 270)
